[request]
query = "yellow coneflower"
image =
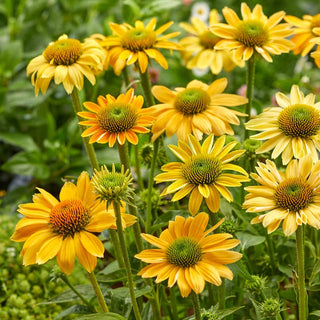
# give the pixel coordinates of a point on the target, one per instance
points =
(199, 47)
(254, 34)
(198, 109)
(203, 172)
(292, 197)
(63, 228)
(66, 61)
(116, 119)
(291, 129)
(188, 255)
(139, 43)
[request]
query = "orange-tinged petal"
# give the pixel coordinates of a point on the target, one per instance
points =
(49, 249)
(91, 243)
(66, 255)
(87, 260)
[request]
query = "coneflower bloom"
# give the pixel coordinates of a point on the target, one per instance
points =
(139, 43)
(198, 109)
(203, 172)
(116, 119)
(63, 228)
(66, 61)
(254, 34)
(305, 29)
(188, 255)
(292, 129)
(199, 47)
(291, 197)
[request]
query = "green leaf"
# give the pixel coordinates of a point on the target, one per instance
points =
(315, 271)
(102, 316)
(241, 269)
(10, 57)
(249, 240)
(123, 292)
(315, 313)
(20, 140)
(28, 164)
(77, 308)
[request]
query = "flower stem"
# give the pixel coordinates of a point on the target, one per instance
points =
(222, 294)
(138, 170)
(98, 292)
(84, 300)
(89, 147)
(117, 249)
(116, 206)
(271, 252)
(250, 86)
(125, 160)
(196, 305)
(150, 184)
(146, 86)
(303, 298)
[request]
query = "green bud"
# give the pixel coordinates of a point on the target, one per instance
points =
(36, 291)
(251, 146)
(256, 285)
(270, 308)
(24, 286)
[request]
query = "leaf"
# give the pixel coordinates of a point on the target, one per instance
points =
(77, 308)
(315, 313)
(102, 316)
(123, 292)
(20, 140)
(249, 240)
(10, 57)
(241, 269)
(315, 271)
(27, 164)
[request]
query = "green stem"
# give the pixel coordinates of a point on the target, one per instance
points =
(89, 147)
(116, 245)
(125, 161)
(250, 85)
(303, 298)
(150, 184)
(126, 78)
(116, 206)
(146, 86)
(222, 294)
(138, 170)
(173, 303)
(271, 252)
(196, 305)
(98, 292)
(84, 300)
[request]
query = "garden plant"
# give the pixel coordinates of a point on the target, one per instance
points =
(160, 160)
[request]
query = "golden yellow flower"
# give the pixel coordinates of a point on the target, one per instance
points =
(254, 34)
(199, 47)
(196, 109)
(188, 255)
(66, 61)
(292, 197)
(116, 119)
(63, 228)
(291, 129)
(305, 29)
(203, 172)
(139, 43)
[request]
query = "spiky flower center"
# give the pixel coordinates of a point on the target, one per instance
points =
(299, 120)
(201, 169)
(293, 194)
(63, 52)
(315, 23)
(112, 180)
(117, 117)
(69, 217)
(192, 101)
(208, 40)
(137, 39)
(252, 33)
(184, 252)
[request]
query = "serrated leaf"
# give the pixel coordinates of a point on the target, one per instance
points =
(20, 140)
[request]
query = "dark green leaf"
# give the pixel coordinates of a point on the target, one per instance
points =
(102, 316)
(20, 140)
(249, 240)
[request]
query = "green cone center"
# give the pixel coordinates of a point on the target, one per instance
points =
(208, 40)
(252, 33)
(184, 252)
(299, 120)
(138, 39)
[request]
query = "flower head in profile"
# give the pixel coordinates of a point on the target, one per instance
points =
(188, 255)
(66, 61)
(63, 228)
(198, 109)
(112, 185)
(305, 30)
(116, 119)
(199, 47)
(292, 197)
(254, 34)
(203, 172)
(138, 44)
(291, 129)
